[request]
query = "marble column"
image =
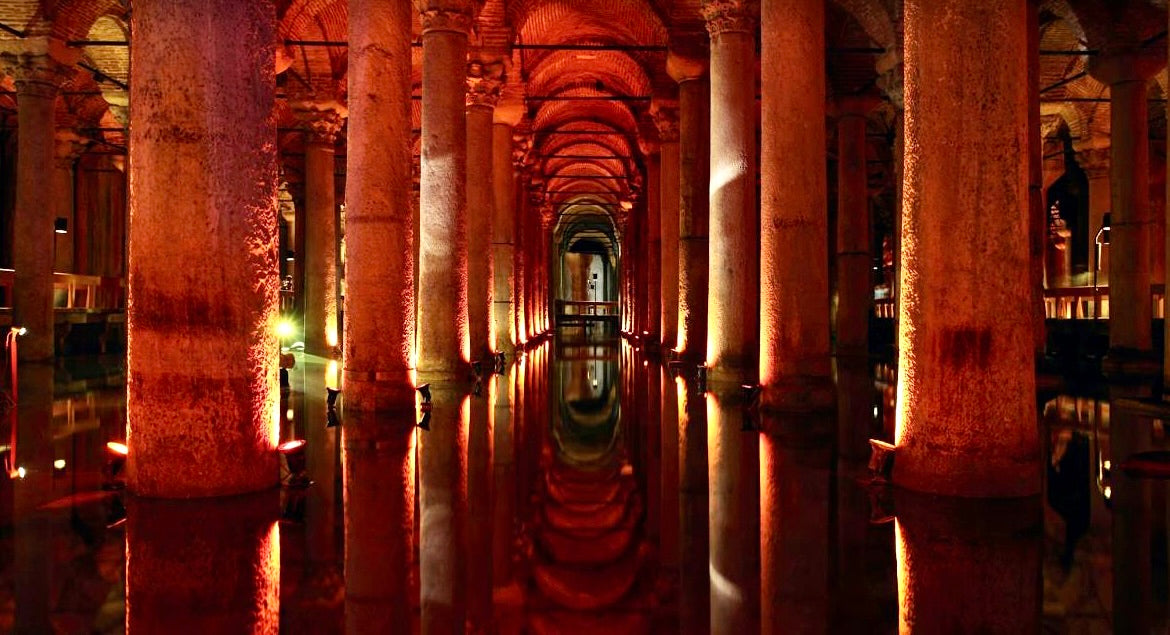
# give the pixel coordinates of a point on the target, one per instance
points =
(39, 67)
(322, 123)
(652, 254)
(202, 395)
(483, 91)
(1127, 73)
(379, 239)
(733, 298)
(443, 337)
(1037, 210)
(854, 238)
(694, 98)
(794, 260)
(1093, 157)
(666, 119)
(503, 233)
(982, 439)
(68, 148)
(519, 260)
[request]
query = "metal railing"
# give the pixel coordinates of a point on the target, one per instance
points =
(74, 291)
(1067, 303)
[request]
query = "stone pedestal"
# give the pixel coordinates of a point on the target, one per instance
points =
(379, 239)
(202, 394)
(965, 317)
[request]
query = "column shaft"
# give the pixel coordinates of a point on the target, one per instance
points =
(320, 247)
(653, 259)
(1129, 265)
(202, 389)
(443, 337)
(965, 315)
(733, 293)
(694, 98)
(794, 259)
(379, 241)
(668, 230)
(854, 261)
(480, 209)
(503, 241)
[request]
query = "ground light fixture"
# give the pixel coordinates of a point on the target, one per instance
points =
(116, 453)
(425, 407)
(293, 454)
(332, 418)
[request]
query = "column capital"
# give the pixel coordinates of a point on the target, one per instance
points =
(68, 146)
(521, 146)
(853, 105)
(456, 19)
(39, 66)
(891, 78)
(321, 120)
(665, 114)
(730, 16)
(688, 55)
(1094, 161)
(1126, 64)
(484, 84)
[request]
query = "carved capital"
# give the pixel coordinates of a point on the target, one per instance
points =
(321, 120)
(666, 120)
(729, 16)
(454, 20)
(68, 146)
(521, 146)
(1095, 162)
(36, 75)
(483, 85)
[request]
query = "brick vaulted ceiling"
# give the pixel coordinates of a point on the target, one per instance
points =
(584, 72)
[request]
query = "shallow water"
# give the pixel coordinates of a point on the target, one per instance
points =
(574, 494)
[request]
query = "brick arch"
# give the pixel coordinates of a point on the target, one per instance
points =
(874, 20)
(72, 19)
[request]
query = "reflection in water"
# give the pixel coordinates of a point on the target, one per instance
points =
(203, 566)
(586, 490)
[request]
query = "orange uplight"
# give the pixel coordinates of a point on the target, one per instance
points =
(290, 446)
(331, 372)
(118, 448)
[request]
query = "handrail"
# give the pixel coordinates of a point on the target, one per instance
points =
(73, 291)
(1064, 303)
(586, 307)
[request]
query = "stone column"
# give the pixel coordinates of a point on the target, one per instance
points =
(794, 260)
(1037, 210)
(483, 91)
(1127, 73)
(202, 395)
(854, 239)
(503, 232)
(519, 260)
(322, 123)
(39, 67)
(666, 119)
(652, 254)
(442, 320)
(733, 295)
(68, 148)
(379, 242)
(983, 440)
(694, 98)
(1093, 158)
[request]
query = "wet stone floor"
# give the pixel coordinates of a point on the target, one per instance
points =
(584, 490)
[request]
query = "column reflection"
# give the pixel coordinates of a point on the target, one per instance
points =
(203, 566)
(379, 493)
(969, 562)
(734, 494)
(694, 580)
